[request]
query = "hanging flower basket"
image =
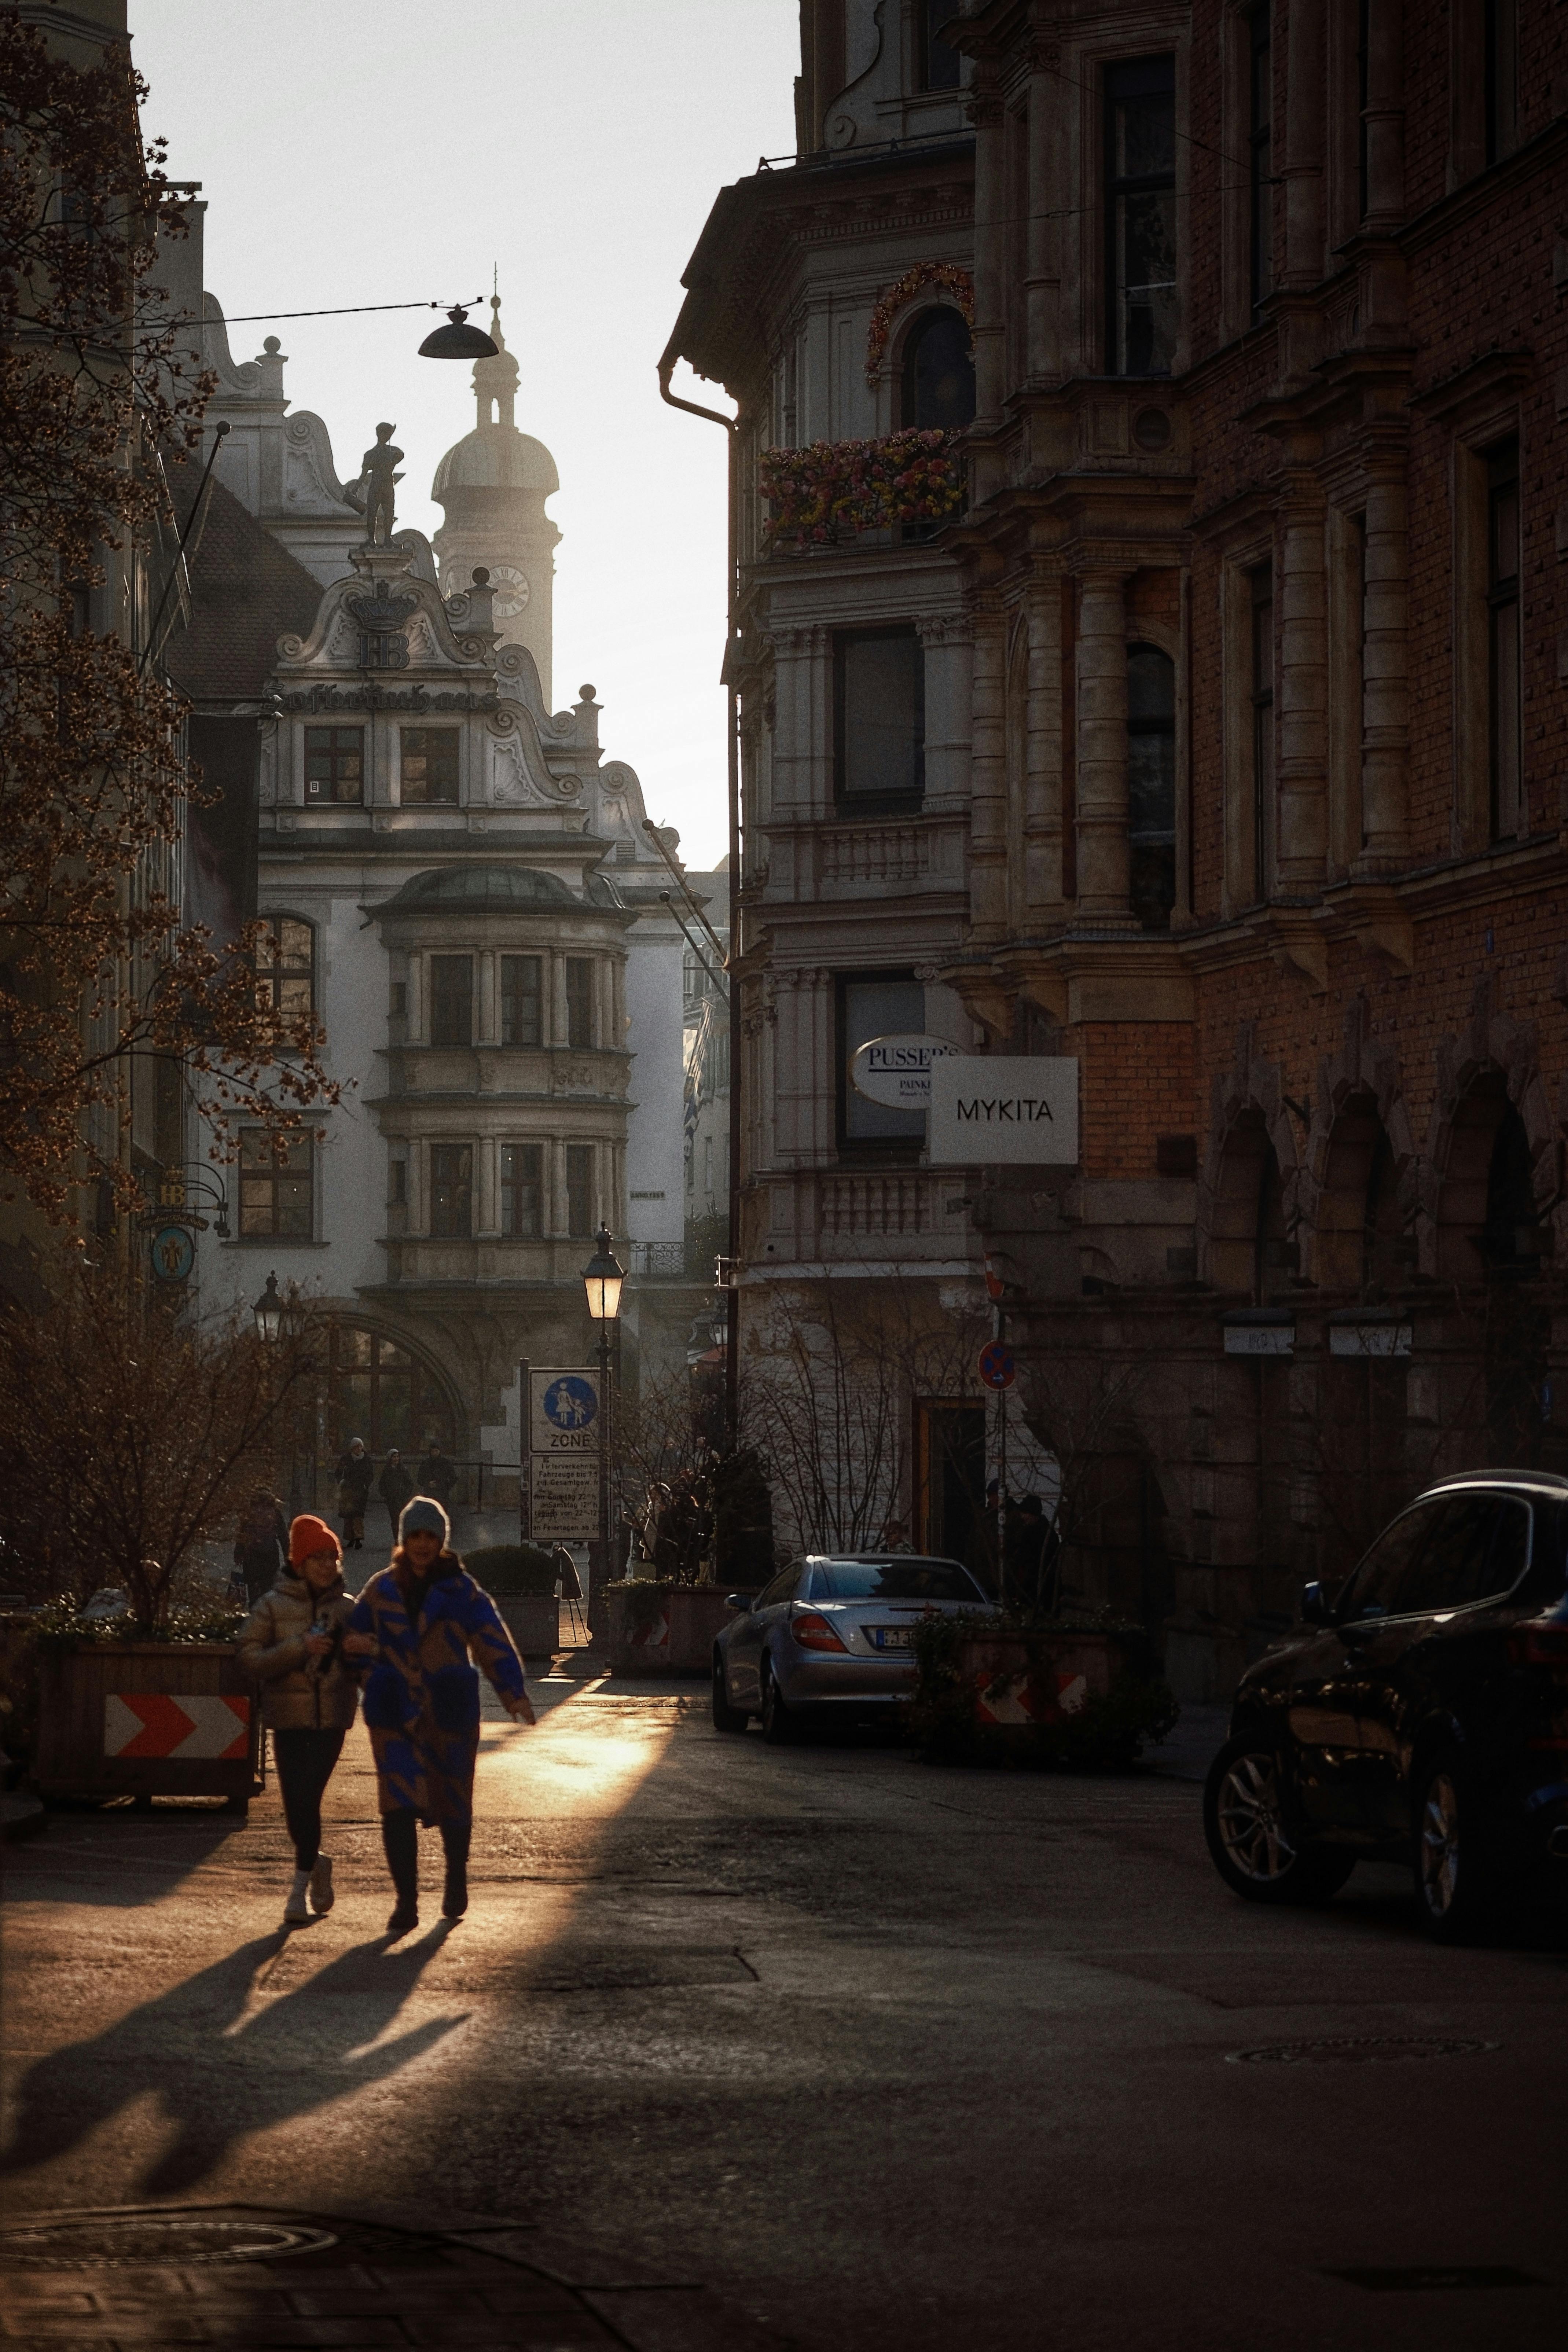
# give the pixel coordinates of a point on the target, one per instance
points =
(822, 493)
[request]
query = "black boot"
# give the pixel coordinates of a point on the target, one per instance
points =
(455, 1836)
(400, 1836)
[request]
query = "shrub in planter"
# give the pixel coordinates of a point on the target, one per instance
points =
(520, 1572)
(1107, 1729)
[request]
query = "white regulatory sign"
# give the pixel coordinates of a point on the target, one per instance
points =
(563, 1498)
(897, 1070)
(562, 1412)
(991, 1108)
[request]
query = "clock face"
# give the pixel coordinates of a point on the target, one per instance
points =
(511, 590)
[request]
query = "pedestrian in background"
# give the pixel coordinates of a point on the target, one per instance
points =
(355, 1472)
(438, 1476)
(423, 1620)
(261, 1547)
(292, 1645)
(395, 1487)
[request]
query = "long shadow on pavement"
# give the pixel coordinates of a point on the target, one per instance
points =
(221, 2075)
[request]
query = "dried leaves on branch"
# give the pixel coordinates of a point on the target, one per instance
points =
(96, 973)
(131, 1432)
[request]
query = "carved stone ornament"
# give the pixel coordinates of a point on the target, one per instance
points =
(383, 644)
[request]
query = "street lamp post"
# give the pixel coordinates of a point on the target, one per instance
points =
(602, 1279)
(268, 1312)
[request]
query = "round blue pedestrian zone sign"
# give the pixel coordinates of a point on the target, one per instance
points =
(569, 1403)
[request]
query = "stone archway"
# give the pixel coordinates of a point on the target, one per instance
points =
(1248, 1186)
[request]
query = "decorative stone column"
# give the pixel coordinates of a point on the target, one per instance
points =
(487, 1032)
(555, 1219)
(1042, 332)
(1303, 801)
(1386, 115)
(1386, 716)
(990, 252)
(1102, 848)
(417, 1001)
(1303, 127)
(560, 1027)
(988, 775)
(1043, 746)
(486, 1186)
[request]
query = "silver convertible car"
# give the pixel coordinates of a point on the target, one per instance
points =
(834, 1630)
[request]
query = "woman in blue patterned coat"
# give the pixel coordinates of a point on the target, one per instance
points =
(417, 1623)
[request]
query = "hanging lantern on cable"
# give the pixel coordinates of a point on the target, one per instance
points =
(458, 341)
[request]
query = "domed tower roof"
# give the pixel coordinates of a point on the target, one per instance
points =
(495, 455)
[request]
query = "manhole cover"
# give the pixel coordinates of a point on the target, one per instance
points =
(1367, 2050)
(123, 2241)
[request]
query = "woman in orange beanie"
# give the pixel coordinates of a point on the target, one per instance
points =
(292, 1645)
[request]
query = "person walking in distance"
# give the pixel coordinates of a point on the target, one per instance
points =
(355, 1472)
(292, 1643)
(438, 1476)
(422, 1621)
(261, 1547)
(395, 1487)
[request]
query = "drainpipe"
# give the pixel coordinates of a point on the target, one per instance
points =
(732, 1319)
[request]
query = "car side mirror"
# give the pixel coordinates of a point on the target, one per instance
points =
(1314, 1605)
(737, 1600)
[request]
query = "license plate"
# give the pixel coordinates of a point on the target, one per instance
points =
(893, 1637)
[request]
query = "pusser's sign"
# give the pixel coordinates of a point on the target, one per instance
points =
(992, 1107)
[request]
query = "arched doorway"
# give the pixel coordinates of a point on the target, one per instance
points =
(1249, 1248)
(379, 1389)
(1357, 1230)
(1488, 1248)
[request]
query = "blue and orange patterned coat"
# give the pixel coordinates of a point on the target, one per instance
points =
(421, 1693)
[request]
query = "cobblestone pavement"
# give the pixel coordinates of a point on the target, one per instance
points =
(750, 2045)
(442, 2280)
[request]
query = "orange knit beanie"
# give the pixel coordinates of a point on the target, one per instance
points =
(308, 1534)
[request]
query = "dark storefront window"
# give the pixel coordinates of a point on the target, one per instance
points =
(520, 993)
(521, 1191)
(878, 700)
(451, 1191)
(430, 767)
(334, 766)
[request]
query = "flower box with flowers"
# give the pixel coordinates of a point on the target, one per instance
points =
(822, 493)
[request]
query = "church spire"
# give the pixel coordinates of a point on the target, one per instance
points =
(495, 381)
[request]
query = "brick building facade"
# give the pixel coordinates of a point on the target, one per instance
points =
(1262, 558)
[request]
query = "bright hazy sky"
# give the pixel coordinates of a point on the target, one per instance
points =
(379, 151)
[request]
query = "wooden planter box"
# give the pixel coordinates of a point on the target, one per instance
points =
(680, 1640)
(1019, 1683)
(534, 1621)
(110, 1723)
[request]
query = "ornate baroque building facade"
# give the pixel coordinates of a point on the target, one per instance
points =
(461, 885)
(1261, 591)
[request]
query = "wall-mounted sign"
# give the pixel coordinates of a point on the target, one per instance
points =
(173, 1254)
(897, 1070)
(1260, 1338)
(991, 1108)
(563, 1411)
(563, 1498)
(1369, 1338)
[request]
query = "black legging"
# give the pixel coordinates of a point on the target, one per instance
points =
(305, 1760)
(400, 1836)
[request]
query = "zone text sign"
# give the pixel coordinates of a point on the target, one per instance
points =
(997, 1108)
(563, 1411)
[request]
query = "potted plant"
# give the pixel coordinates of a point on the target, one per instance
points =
(134, 1433)
(520, 1579)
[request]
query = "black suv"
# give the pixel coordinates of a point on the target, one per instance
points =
(1420, 1715)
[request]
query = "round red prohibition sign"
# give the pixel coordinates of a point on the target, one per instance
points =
(997, 1368)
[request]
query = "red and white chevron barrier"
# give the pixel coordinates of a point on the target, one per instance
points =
(1041, 1695)
(156, 1723)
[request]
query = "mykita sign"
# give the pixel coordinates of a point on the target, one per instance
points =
(991, 1108)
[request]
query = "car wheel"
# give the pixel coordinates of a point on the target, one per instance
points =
(779, 1724)
(725, 1717)
(1454, 1891)
(1256, 1848)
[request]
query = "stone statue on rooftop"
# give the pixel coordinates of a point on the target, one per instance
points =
(374, 488)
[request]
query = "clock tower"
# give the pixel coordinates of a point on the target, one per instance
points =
(492, 486)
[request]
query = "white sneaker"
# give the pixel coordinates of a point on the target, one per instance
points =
(321, 1896)
(295, 1912)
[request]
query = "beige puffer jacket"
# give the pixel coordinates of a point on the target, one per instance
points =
(298, 1693)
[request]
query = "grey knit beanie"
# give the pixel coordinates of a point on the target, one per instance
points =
(422, 1516)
